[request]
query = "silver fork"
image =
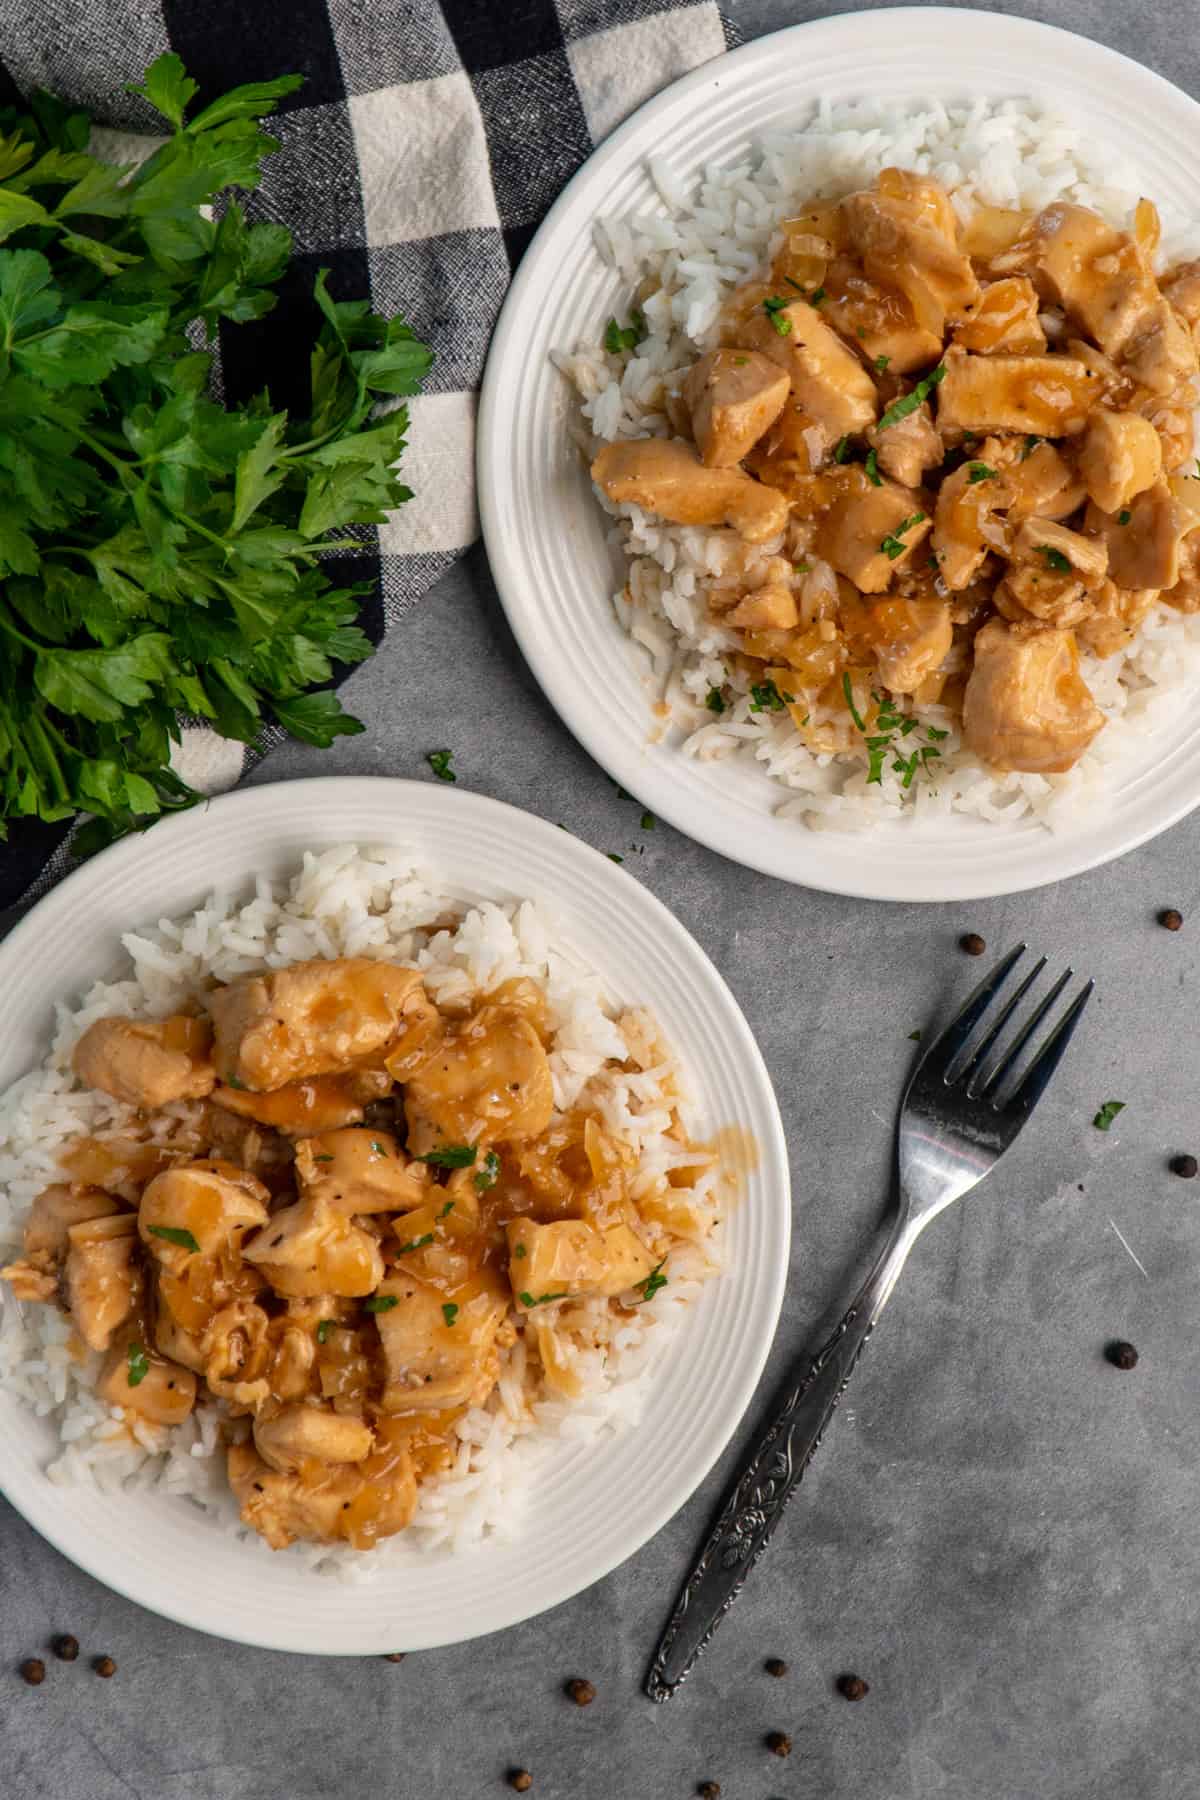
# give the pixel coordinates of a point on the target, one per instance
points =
(965, 1103)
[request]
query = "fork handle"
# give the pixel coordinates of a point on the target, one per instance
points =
(771, 1474)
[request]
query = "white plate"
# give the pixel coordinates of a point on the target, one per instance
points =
(595, 1504)
(545, 534)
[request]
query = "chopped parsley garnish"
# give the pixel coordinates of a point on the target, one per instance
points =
(715, 701)
(449, 1311)
(619, 339)
(881, 363)
(380, 1149)
(324, 1327)
(848, 690)
(773, 306)
(841, 449)
(900, 409)
(654, 1280)
(818, 294)
(233, 1082)
(890, 721)
(489, 1175)
(893, 545)
(1124, 516)
(415, 1244)
(739, 362)
(541, 1299)
(520, 1253)
(139, 1365)
(914, 1037)
(648, 821)
(381, 1303)
(322, 1159)
(803, 566)
(439, 762)
(872, 469)
(174, 1234)
(451, 1156)
(1031, 444)
(1054, 559)
(1107, 1114)
(979, 472)
(613, 857)
(449, 1206)
(766, 697)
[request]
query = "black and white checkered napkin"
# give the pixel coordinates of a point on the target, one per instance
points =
(428, 141)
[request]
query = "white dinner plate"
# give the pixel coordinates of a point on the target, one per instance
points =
(545, 533)
(594, 1503)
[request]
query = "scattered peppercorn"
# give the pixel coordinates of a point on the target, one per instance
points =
(33, 1671)
(776, 1666)
(852, 1687)
(65, 1648)
(1170, 919)
(779, 1743)
(520, 1779)
(104, 1665)
(1122, 1355)
(581, 1692)
(1187, 1166)
(972, 943)
(709, 1790)
(395, 1656)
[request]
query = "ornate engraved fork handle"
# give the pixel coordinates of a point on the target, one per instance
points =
(769, 1478)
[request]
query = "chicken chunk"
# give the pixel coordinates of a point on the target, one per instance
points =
(1039, 480)
(237, 1354)
(212, 1204)
(314, 1018)
(1160, 355)
(733, 397)
(1120, 457)
(1050, 396)
(1026, 705)
(1090, 268)
(571, 1258)
(966, 526)
(311, 1248)
(1048, 545)
(491, 1082)
(877, 319)
(908, 448)
(289, 1437)
(869, 533)
(909, 639)
(669, 480)
(56, 1209)
(1144, 551)
(910, 243)
(146, 1062)
(1115, 617)
(1004, 320)
(439, 1353)
(162, 1392)
(771, 607)
(1184, 594)
(1181, 288)
(360, 1171)
(323, 1104)
(102, 1278)
(830, 388)
(326, 1504)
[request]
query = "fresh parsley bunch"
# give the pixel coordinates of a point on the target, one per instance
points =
(159, 553)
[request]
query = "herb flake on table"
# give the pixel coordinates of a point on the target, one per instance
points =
(439, 761)
(1108, 1112)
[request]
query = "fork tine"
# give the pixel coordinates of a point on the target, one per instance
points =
(1033, 1082)
(957, 1034)
(1009, 1060)
(974, 1068)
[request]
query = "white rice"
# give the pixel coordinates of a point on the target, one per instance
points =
(697, 248)
(380, 902)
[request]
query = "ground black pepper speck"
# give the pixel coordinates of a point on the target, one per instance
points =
(1122, 1355)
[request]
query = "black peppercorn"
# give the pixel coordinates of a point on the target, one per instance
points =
(852, 1687)
(66, 1648)
(520, 1779)
(779, 1743)
(709, 1790)
(1171, 920)
(104, 1665)
(776, 1666)
(395, 1656)
(1122, 1355)
(33, 1671)
(972, 943)
(1186, 1165)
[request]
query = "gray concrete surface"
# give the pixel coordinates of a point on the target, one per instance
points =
(1001, 1531)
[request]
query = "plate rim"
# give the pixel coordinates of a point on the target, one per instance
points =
(739, 842)
(122, 858)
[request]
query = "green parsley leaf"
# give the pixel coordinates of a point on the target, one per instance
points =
(774, 309)
(848, 691)
(324, 1327)
(648, 821)
(979, 472)
(892, 545)
(872, 469)
(528, 1300)
(1031, 443)
(381, 1303)
(613, 857)
(449, 1311)
(620, 339)
(1054, 559)
(322, 1159)
(816, 297)
(1124, 516)
(766, 697)
(415, 1244)
(451, 1156)
(914, 1037)
(900, 409)
(139, 1365)
(1108, 1112)
(715, 701)
(520, 1253)
(379, 1149)
(175, 1234)
(489, 1175)
(881, 363)
(841, 449)
(654, 1280)
(803, 566)
(439, 762)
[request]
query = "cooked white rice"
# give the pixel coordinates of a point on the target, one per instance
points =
(379, 902)
(698, 248)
